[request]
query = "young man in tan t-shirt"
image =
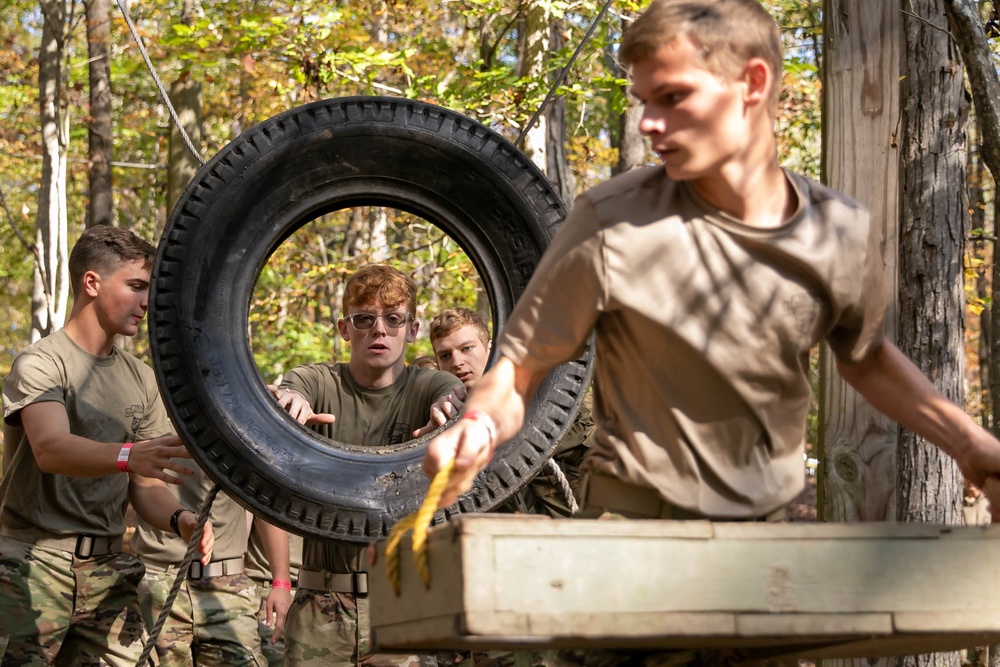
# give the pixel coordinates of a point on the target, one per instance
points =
(707, 281)
(85, 431)
(374, 399)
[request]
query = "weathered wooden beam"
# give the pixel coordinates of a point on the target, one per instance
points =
(815, 590)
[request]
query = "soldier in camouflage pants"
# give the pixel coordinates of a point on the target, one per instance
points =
(84, 431)
(271, 644)
(376, 400)
(213, 620)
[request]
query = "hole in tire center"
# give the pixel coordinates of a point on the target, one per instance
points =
(297, 299)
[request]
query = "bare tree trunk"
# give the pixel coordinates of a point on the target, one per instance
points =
(185, 95)
(994, 330)
(101, 208)
(970, 35)
(627, 139)
(557, 167)
(932, 240)
(50, 291)
(532, 64)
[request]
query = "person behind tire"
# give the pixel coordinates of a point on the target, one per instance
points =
(706, 281)
(213, 619)
(462, 344)
(373, 399)
(272, 644)
(84, 433)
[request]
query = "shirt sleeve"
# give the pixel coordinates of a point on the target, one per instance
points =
(34, 378)
(860, 328)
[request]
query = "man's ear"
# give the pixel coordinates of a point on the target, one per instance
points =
(759, 80)
(91, 283)
(489, 346)
(342, 328)
(411, 332)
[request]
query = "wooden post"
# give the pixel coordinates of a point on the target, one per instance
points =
(861, 112)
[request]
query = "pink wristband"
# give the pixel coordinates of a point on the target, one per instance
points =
(281, 583)
(484, 419)
(123, 456)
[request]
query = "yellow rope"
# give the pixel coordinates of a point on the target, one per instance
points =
(419, 521)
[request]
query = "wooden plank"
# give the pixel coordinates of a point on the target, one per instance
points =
(505, 583)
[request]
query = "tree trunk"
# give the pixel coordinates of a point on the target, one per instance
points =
(932, 240)
(628, 140)
(994, 329)
(532, 64)
(860, 117)
(100, 210)
(557, 167)
(50, 291)
(185, 95)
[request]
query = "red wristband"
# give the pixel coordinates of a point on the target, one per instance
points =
(123, 456)
(484, 419)
(281, 583)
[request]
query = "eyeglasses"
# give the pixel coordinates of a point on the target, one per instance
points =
(367, 320)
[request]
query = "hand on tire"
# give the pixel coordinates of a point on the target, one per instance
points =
(153, 458)
(443, 409)
(296, 405)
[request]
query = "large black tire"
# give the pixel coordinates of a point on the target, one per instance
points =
(262, 187)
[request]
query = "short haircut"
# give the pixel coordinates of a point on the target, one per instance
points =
(727, 34)
(381, 284)
(426, 361)
(448, 321)
(104, 249)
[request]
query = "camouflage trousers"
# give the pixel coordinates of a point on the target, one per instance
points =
(274, 652)
(212, 621)
(334, 629)
(56, 609)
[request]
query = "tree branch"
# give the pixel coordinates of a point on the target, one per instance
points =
(969, 34)
(30, 247)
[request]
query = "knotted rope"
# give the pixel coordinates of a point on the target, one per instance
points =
(419, 521)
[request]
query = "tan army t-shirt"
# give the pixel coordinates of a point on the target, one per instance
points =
(703, 329)
(107, 399)
(365, 416)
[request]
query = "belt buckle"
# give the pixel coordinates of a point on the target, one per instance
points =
(196, 570)
(359, 582)
(84, 547)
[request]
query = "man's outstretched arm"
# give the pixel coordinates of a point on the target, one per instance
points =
(494, 413)
(898, 389)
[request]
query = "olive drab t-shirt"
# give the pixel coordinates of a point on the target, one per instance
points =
(257, 567)
(365, 416)
(229, 524)
(703, 329)
(107, 399)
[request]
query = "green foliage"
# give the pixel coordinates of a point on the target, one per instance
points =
(257, 59)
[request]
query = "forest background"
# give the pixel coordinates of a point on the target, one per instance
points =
(76, 150)
(492, 60)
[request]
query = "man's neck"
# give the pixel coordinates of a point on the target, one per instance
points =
(89, 336)
(754, 190)
(375, 378)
